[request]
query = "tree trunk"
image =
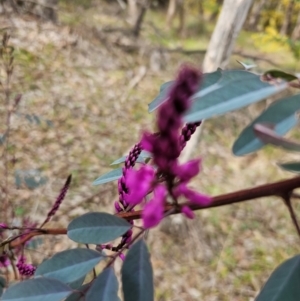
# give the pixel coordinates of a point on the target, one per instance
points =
(230, 22)
(176, 7)
(255, 14)
(296, 31)
(132, 11)
(288, 18)
(171, 12)
(140, 17)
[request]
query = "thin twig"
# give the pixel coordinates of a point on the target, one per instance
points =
(287, 200)
(7, 59)
(94, 270)
(113, 258)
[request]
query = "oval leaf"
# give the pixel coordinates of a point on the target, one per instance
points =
(70, 265)
(2, 284)
(231, 94)
(97, 228)
(281, 114)
(137, 274)
(109, 177)
(77, 283)
(209, 79)
(283, 283)
(45, 289)
(79, 294)
(291, 166)
(104, 287)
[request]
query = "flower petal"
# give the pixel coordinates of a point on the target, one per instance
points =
(147, 142)
(152, 214)
(188, 170)
(138, 183)
(153, 211)
(187, 211)
(193, 196)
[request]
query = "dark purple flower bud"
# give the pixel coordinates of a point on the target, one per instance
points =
(187, 132)
(167, 145)
(129, 163)
(25, 269)
(59, 200)
(118, 207)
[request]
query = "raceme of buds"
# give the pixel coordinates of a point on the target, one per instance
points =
(59, 200)
(166, 146)
(187, 131)
(129, 163)
(24, 268)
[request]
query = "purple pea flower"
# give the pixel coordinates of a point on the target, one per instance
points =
(138, 183)
(188, 212)
(153, 211)
(122, 256)
(193, 196)
(166, 146)
(187, 171)
(3, 226)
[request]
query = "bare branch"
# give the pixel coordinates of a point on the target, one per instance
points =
(279, 189)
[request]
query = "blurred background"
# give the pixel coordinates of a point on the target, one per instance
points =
(87, 70)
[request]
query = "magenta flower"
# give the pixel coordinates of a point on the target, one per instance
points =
(138, 183)
(187, 171)
(165, 146)
(193, 196)
(153, 211)
(3, 226)
(188, 212)
(122, 256)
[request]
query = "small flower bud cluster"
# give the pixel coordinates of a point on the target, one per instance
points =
(187, 132)
(24, 268)
(59, 200)
(122, 205)
(129, 163)
(166, 147)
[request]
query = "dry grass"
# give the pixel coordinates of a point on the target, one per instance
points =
(96, 95)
